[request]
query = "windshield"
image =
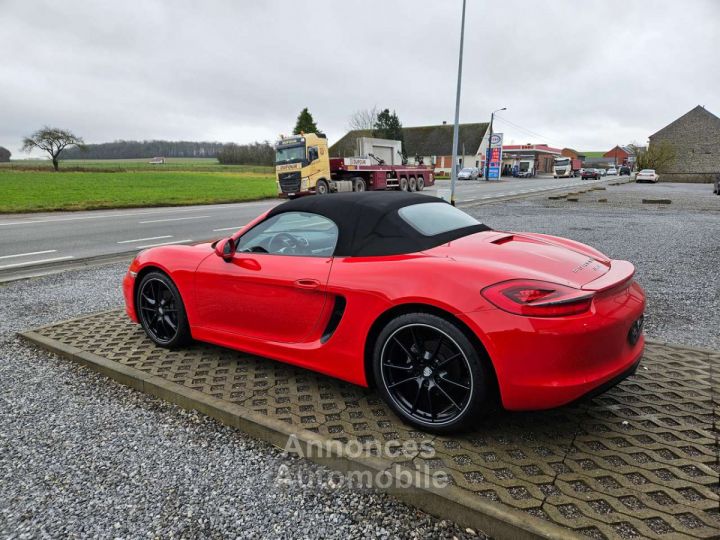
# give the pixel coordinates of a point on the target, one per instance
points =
(647, 171)
(290, 153)
(430, 219)
(562, 162)
(466, 171)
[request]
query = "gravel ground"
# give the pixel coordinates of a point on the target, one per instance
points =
(82, 456)
(675, 247)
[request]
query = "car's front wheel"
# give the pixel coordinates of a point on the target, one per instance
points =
(161, 311)
(430, 373)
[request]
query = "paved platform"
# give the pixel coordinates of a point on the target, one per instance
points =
(641, 460)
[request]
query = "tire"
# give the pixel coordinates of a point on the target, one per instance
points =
(359, 185)
(412, 355)
(322, 188)
(403, 183)
(420, 183)
(412, 184)
(165, 324)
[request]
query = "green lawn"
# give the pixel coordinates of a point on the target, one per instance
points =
(35, 191)
(171, 164)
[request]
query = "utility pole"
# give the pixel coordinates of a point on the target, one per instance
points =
(456, 128)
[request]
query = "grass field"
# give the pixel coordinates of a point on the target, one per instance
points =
(171, 164)
(39, 190)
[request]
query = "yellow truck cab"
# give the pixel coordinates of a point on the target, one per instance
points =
(301, 161)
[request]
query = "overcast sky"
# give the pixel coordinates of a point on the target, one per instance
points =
(584, 74)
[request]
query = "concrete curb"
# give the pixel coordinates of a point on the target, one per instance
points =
(451, 503)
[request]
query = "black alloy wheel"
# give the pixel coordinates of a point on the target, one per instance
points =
(429, 373)
(161, 311)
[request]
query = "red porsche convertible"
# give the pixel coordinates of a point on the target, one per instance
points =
(443, 315)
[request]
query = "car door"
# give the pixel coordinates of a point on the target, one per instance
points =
(274, 287)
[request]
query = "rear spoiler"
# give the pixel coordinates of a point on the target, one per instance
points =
(619, 273)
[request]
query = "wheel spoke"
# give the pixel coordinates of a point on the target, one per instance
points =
(417, 398)
(449, 359)
(169, 321)
(393, 366)
(418, 349)
(430, 403)
(448, 397)
(402, 347)
(437, 348)
(443, 379)
(393, 385)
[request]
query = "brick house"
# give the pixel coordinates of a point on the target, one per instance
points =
(695, 137)
(432, 144)
(621, 155)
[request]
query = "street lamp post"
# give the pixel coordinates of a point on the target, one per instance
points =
(456, 128)
(489, 152)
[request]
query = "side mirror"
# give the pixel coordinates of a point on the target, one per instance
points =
(225, 249)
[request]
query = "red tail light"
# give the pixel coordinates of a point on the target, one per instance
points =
(533, 298)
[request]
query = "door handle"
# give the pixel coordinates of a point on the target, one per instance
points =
(307, 283)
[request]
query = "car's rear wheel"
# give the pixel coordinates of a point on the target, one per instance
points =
(429, 373)
(161, 311)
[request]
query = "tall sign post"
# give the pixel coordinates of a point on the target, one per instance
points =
(493, 159)
(453, 173)
(487, 160)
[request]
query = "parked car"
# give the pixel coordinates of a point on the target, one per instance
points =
(525, 174)
(647, 175)
(469, 173)
(612, 171)
(347, 285)
(603, 172)
(590, 173)
(624, 171)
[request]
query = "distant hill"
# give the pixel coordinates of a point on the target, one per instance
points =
(144, 149)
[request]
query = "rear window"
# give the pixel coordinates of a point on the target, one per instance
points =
(434, 218)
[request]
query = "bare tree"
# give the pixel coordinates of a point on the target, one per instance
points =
(53, 141)
(658, 156)
(363, 119)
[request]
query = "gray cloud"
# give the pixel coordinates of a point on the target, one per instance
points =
(583, 74)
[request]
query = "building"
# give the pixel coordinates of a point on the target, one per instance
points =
(695, 137)
(620, 155)
(430, 144)
(536, 158)
(572, 154)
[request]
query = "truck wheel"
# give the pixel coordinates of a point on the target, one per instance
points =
(412, 184)
(403, 184)
(322, 188)
(359, 185)
(420, 183)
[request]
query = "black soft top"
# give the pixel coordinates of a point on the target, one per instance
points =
(369, 224)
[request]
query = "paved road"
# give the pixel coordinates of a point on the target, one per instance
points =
(36, 240)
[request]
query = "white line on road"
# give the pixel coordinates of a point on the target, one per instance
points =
(172, 219)
(30, 263)
(28, 254)
(165, 243)
(229, 229)
(144, 239)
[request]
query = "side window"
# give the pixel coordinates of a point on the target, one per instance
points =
(312, 153)
(291, 233)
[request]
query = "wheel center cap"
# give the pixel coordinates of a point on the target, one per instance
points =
(427, 372)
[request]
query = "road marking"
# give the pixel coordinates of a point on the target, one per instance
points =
(142, 213)
(144, 239)
(165, 243)
(172, 219)
(30, 263)
(229, 229)
(28, 254)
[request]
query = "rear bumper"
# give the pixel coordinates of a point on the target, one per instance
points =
(548, 362)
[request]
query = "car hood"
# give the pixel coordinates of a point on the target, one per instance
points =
(505, 255)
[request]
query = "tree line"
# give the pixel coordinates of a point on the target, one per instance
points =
(143, 149)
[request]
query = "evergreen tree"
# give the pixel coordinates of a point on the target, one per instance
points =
(305, 123)
(388, 126)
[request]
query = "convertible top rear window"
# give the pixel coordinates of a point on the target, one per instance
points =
(434, 218)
